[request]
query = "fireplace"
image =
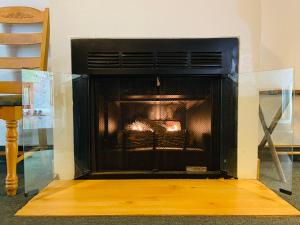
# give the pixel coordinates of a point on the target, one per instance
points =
(155, 108)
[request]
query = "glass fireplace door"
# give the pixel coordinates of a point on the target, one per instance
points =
(185, 145)
(155, 123)
(124, 108)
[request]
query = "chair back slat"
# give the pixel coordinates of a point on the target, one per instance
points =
(45, 41)
(10, 87)
(21, 15)
(19, 62)
(20, 39)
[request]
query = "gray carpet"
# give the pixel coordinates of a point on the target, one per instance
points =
(8, 206)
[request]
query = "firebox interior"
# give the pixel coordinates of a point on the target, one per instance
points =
(156, 123)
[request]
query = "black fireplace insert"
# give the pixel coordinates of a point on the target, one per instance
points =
(155, 108)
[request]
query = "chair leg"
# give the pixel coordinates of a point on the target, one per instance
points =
(11, 151)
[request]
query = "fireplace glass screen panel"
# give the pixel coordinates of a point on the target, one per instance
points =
(154, 123)
(37, 129)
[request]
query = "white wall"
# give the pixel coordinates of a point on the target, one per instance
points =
(280, 43)
(157, 19)
(280, 35)
(39, 4)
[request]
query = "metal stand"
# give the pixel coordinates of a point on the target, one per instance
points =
(267, 137)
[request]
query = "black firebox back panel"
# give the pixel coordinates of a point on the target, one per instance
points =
(214, 58)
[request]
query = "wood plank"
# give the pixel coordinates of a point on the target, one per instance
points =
(45, 41)
(10, 87)
(20, 15)
(157, 197)
(276, 92)
(19, 62)
(289, 153)
(20, 39)
(286, 146)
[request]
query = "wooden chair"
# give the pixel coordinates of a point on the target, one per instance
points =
(11, 105)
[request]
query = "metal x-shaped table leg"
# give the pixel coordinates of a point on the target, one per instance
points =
(273, 124)
(267, 138)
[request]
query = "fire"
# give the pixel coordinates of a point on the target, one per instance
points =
(139, 126)
(160, 126)
(172, 126)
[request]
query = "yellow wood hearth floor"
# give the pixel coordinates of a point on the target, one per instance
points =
(157, 197)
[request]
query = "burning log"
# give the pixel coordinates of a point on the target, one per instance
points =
(138, 139)
(149, 133)
(139, 126)
(174, 139)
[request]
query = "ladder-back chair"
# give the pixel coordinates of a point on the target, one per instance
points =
(11, 102)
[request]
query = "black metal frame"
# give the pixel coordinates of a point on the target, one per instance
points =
(225, 99)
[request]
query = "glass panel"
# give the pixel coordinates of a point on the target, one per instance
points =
(276, 130)
(272, 93)
(185, 145)
(158, 124)
(38, 114)
(124, 139)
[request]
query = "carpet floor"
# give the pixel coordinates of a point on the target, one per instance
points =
(9, 206)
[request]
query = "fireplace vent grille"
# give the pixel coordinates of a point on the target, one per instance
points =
(206, 59)
(172, 59)
(137, 59)
(102, 60)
